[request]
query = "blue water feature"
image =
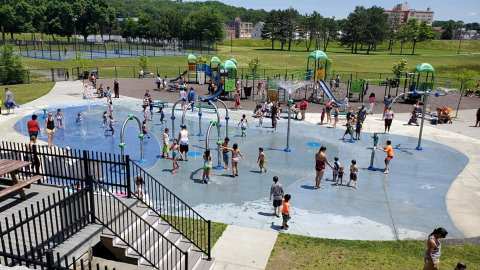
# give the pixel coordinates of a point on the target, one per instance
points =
(410, 198)
(313, 144)
(89, 134)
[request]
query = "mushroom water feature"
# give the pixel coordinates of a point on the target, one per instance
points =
(290, 86)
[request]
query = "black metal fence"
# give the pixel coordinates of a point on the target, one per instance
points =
(27, 235)
(70, 167)
(113, 175)
(79, 49)
(147, 241)
(172, 209)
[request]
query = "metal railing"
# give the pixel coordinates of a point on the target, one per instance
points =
(26, 236)
(69, 167)
(136, 232)
(172, 209)
(76, 168)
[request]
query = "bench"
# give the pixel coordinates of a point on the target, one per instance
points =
(19, 186)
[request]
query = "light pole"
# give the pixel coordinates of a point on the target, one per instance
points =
(425, 99)
(290, 102)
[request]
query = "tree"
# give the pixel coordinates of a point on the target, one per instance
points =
(271, 28)
(353, 28)
(328, 31)
(399, 68)
(407, 32)
(311, 25)
(289, 26)
(129, 29)
(450, 28)
(7, 20)
(11, 67)
(204, 24)
(376, 28)
(424, 33)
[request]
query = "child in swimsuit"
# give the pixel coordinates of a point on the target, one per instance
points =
(59, 118)
(162, 115)
(145, 129)
(340, 175)
(243, 125)
(79, 119)
(236, 155)
(349, 130)
(105, 119)
(174, 149)
(261, 160)
(207, 166)
(259, 115)
(139, 184)
(166, 141)
(353, 174)
(336, 168)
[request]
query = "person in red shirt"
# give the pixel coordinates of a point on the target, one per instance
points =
(33, 127)
(303, 108)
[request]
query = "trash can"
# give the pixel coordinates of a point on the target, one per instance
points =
(247, 90)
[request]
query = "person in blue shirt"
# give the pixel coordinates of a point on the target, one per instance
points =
(191, 98)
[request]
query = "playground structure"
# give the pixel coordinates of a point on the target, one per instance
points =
(223, 75)
(122, 144)
(320, 64)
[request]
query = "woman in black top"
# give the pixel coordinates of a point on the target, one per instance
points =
(274, 112)
(50, 128)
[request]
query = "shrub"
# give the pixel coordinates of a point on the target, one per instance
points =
(11, 68)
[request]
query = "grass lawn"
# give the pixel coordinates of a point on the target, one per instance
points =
(301, 252)
(27, 92)
(217, 231)
(441, 54)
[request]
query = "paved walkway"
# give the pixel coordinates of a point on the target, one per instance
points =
(243, 248)
(464, 193)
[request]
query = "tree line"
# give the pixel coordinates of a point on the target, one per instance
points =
(362, 30)
(100, 17)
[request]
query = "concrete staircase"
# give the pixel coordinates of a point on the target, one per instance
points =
(127, 238)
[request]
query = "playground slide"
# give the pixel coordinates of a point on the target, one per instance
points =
(215, 95)
(178, 78)
(329, 93)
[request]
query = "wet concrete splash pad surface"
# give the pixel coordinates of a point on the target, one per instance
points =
(407, 203)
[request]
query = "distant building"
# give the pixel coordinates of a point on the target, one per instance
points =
(243, 29)
(238, 29)
(401, 13)
(467, 34)
(257, 30)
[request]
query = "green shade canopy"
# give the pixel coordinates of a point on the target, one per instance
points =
(318, 55)
(215, 60)
(234, 61)
(192, 58)
(425, 67)
(229, 64)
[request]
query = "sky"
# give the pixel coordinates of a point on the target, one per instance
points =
(465, 10)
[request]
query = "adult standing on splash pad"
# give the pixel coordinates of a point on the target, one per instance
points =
(320, 161)
(183, 141)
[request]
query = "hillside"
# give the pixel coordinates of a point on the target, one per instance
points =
(133, 8)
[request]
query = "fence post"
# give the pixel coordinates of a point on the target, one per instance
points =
(49, 257)
(89, 184)
(209, 253)
(128, 176)
(53, 74)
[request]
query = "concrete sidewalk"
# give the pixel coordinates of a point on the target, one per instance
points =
(241, 248)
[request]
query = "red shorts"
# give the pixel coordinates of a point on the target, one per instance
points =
(388, 158)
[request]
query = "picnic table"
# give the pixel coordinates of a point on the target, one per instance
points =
(12, 167)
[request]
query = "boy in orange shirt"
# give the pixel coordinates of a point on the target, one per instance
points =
(388, 149)
(286, 211)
